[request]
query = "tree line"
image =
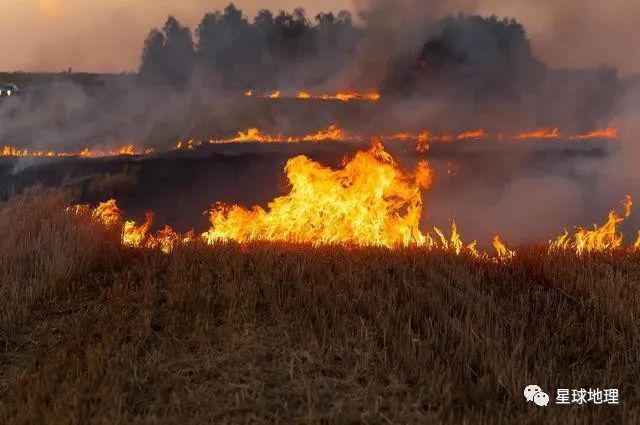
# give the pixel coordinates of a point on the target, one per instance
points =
(259, 54)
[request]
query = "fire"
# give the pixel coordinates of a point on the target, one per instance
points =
(370, 202)
(502, 252)
(422, 137)
(133, 235)
(541, 133)
(251, 135)
(108, 213)
(333, 132)
(599, 239)
(341, 96)
(454, 243)
(349, 96)
(472, 135)
(188, 145)
(129, 149)
(604, 133)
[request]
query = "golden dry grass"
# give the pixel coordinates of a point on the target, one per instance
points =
(91, 332)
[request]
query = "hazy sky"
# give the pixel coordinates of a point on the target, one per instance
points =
(107, 35)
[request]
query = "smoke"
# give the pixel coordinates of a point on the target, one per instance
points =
(444, 73)
(530, 195)
(564, 33)
(574, 34)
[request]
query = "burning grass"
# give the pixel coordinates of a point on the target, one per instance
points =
(93, 331)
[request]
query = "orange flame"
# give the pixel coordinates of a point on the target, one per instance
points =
(108, 213)
(86, 152)
(368, 202)
(599, 239)
(604, 133)
(502, 252)
(472, 135)
(541, 133)
(342, 96)
(188, 145)
(333, 132)
(350, 96)
(134, 235)
(455, 243)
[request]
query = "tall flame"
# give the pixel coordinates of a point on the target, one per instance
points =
(502, 252)
(454, 243)
(368, 202)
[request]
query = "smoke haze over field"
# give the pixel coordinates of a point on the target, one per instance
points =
(446, 75)
(57, 34)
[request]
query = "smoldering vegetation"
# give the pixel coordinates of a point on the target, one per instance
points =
(94, 332)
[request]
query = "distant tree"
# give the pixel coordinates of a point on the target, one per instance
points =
(264, 25)
(226, 44)
(243, 54)
(153, 55)
(293, 35)
(179, 51)
(325, 20)
(168, 55)
(473, 56)
(344, 18)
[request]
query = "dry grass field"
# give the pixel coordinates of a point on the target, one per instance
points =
(92, 332)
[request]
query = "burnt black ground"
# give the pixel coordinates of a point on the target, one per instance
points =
(181, 186)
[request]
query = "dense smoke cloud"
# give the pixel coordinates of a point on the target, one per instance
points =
(577, 34)
(564, 33)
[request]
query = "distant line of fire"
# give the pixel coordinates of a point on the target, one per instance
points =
(131, 150)
(350, 96)
(335, 133)
(331, 133)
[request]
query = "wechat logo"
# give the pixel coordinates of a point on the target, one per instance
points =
(535, 394)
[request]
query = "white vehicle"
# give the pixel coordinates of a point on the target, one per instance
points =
(7, 90)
